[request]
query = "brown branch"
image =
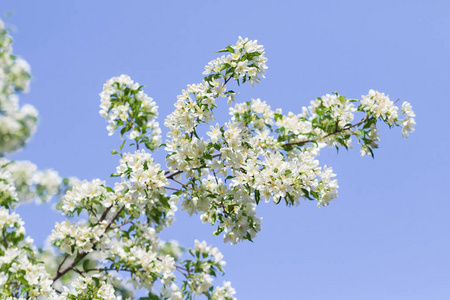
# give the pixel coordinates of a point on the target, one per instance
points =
(120, 225)
(171, 188)
(179, 268)
(109, 269)
(179, 182)
(217, 155)
(78, 271)
(82, 255)
(103, 217)
(334, 132)
(62, 262)
(114, 217)
(4, 239)
(175, 173)
(215, 176)
(59, 274)
(171, 175)
(92, 211)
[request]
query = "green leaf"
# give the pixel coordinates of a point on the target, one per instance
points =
(195, 133)
(97, 281)
(371, 151)
(257, 197)
(218, 231)
(305, 191)
(228, 177)
(123, 143)
(248, 237)
(85, 264)
(151, 296)
(148, 145)
(287, 147)
(291, 199)
(122, 131)
(164, 201)
(221, 50)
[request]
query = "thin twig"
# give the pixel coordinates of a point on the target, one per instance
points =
(4, 238)
(92, 211)
(171, 175)
(171, 188)
(84, 254)
(120, 225)
(114, 217)
(175, 173)
(179, 182)
(215, 176)
(62, 262)
(334, 132)
(78, 271)
(103, 217)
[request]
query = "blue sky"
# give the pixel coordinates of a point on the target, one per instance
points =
(385, 237)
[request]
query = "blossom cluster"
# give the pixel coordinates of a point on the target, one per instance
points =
(258, 169)
(143, 187)
(195, 105)
(85, 195)
(380, 106)
(72, 237)
(337, 130)
(8, 194)
(125, 105)
(246, 61)
(200, 272)
(31, 183)
(267, 155)
(90, 287)
(17, 123)
(139, 193)
(20, 271)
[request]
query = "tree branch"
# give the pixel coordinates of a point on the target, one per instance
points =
(171, 188)
(82, 255)
(62, 262)
(179, 182)
(4, 239)
(332, 133)
(120, 225)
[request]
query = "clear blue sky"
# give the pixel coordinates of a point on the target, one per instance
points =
(387, 235)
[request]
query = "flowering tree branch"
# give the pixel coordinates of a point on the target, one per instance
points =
(259, 154)
(337, 130)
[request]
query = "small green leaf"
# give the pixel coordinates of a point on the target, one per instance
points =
(123, 143)
(218, 231)
(85, 264)
(257, 197)
(221, 50)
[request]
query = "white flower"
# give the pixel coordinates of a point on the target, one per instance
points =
(215, 133)
(408, 126)
(407, 110)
